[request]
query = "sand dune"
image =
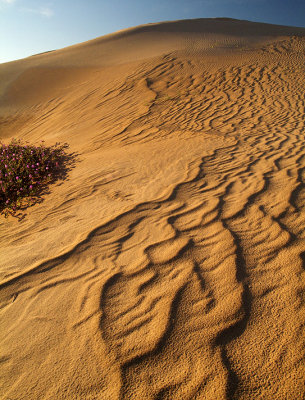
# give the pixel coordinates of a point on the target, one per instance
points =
(170, 263)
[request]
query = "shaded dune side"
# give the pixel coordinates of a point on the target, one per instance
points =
(199, 295)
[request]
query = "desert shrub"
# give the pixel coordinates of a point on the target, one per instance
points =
(27, 170)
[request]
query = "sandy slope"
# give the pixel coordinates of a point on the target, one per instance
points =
(170, 263)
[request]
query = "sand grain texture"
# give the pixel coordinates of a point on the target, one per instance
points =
(170, 263)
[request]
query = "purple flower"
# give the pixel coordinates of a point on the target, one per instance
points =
(17, 177)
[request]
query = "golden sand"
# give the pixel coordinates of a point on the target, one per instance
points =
(170, 263)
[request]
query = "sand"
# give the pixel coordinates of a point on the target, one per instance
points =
(170, 262)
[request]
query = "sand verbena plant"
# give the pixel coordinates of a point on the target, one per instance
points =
(27, 170)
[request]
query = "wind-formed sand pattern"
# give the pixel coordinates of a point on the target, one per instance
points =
(170, 262)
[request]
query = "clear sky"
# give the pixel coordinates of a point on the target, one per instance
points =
(32, 26)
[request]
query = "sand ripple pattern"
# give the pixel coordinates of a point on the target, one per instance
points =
(199, 295)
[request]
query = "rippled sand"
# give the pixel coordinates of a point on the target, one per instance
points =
(170, 263)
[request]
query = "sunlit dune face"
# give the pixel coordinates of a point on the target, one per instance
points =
(169, 262)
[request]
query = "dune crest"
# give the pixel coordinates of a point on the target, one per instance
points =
(170, 263)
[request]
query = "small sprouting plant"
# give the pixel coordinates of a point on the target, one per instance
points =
(26, 171)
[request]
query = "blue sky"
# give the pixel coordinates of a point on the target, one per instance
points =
(32, 26)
